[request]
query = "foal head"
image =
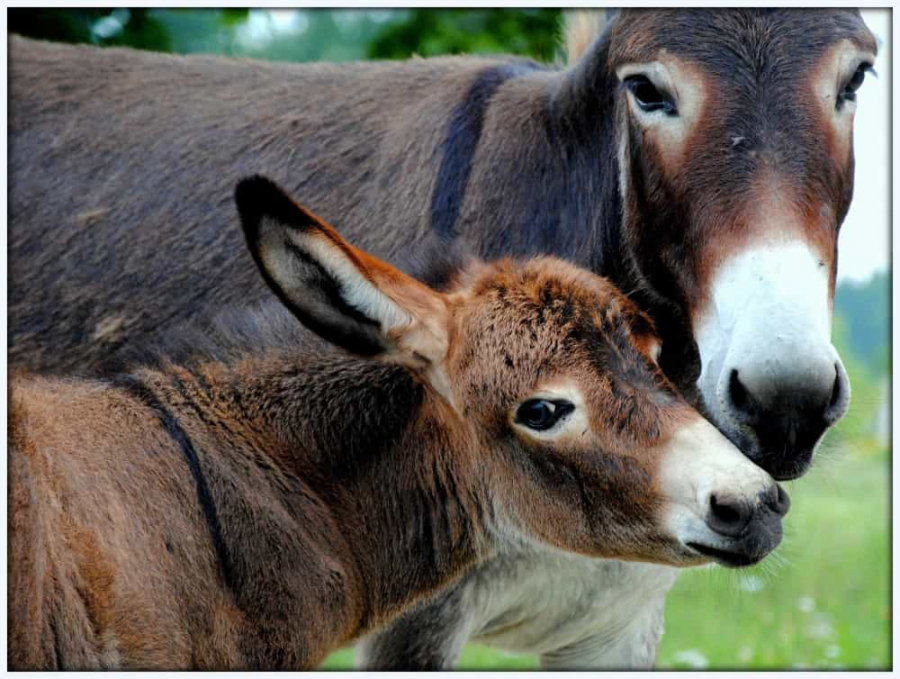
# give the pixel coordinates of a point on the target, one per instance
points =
(548, 377)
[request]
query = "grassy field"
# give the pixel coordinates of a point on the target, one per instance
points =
(821, 601)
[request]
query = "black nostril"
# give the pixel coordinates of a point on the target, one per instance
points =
(743, 403)
(739, 397)
(837, 391)
(728, 517)
(778, 500)
(723, 512)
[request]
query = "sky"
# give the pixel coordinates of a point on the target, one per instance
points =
(864, 245)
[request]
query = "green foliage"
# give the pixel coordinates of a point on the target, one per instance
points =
(429, 32)
(140, 28)
(866, 310)
(307, 35)
(61, 25)
(323, 35)
(233, 17)
(861, 334)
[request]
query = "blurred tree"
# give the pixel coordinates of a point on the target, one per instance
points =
(866, 308)
(324, 35)
(207, 31)
(307, 35)
(861, 333)
(142, 28)
(132, 27)
(62, 25)
(429, 32)
(868, 387)
(136, 28)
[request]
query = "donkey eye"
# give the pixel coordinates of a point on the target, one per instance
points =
(648, 97)
(848, 92)
(541, 414)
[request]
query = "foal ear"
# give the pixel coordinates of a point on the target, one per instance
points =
(346, 296)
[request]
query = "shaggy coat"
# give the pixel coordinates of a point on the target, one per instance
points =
(250, 499)
(120, 226)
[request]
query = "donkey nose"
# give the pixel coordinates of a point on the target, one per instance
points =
(789, 409)
(730, 515)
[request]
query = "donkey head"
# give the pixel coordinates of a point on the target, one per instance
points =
(549, 375)
(734, 140)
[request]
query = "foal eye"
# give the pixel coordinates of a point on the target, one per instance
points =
(541, 414)
(648, 97)
(848, 92)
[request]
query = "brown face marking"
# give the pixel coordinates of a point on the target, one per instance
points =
(668, 136)
(773, 216)
(762, 77)
(730, 220)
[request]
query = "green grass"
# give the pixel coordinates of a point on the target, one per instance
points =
(821, 601)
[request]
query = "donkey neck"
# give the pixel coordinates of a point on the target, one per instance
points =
(358, 446)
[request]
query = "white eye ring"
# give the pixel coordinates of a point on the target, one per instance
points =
(573, 420)
(648, 97)
(651, 77)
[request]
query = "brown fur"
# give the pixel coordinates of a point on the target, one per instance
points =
(265, 507)
(758, 68)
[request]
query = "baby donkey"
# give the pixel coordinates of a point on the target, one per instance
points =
(262, 507)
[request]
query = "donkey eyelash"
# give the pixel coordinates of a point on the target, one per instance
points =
(853, 83)
(542, 414)
(648, 96)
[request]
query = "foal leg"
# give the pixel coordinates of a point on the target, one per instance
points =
(431, 636)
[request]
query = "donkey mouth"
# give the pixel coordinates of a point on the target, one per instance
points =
(790, 469)
(726, 558)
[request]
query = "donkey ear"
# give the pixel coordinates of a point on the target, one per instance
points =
(582, 27)
(346, 296)
(587, 84)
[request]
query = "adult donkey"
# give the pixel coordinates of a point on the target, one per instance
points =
(700, 159)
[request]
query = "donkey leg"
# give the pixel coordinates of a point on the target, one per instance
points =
(431, 636)
(633, 648)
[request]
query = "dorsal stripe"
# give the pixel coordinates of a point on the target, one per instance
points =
(461, 142)
(170, 425)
